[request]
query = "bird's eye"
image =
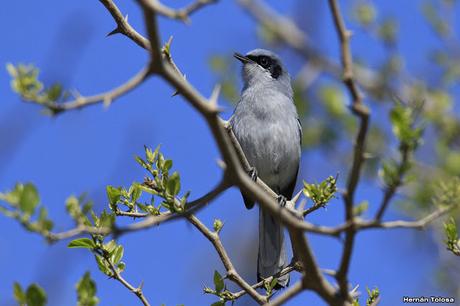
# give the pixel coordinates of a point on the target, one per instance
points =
(264, 62)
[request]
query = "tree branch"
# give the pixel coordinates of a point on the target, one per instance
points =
(232, 274)
(291, 267)
(291, 35)
(181, 14)
(391, 190)
(106, 97)
(362, 112)
(290, 292)
(116, 275)
(123, 27)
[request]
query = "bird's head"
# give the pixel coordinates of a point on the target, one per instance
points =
(263, 68)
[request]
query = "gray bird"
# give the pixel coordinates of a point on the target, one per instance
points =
(267, 126)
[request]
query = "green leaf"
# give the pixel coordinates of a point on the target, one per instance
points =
(334, 100)
(217, 225)
(208, 290)
(218, 303)
(12, 71)
(373, 295)
(102, 265)
(29, 199)
(173, 186)
(117, 254)
(121, 266)
(82, 243)
(389, 173)
(13, 196)
(106, 219)
(366, 13)
(43, 221)
(110, 246)
(149, 155)
(35, 296)
(452, 242)
(361, 208)
(168, 164)
(273, 283)
(113, 195)
(86, 291)
(142, 162)
(19, 294)
(403, 123)
(321, 193)
(136, 192)
(218, 282)
(54, 93)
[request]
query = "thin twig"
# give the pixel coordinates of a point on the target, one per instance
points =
(181, 14)
(290, 292)
(291, 267)
(116, 275)
(391, 190)
(232, 274)
(292, 36)
(107, 97)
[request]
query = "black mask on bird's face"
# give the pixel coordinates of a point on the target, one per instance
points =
(267, 62)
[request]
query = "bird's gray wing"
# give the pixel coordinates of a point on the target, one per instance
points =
(289, 190)
(300, 130)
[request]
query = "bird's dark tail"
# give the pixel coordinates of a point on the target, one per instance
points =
(272, 256)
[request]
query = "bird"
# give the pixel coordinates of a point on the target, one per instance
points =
(267, 126)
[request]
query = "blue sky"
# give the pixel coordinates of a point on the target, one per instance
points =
(86, 150)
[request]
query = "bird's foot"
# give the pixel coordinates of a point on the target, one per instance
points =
(253, 173)
(281, 200)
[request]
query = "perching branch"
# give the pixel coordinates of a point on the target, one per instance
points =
(234, 169)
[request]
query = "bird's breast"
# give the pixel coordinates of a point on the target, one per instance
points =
(271, 145)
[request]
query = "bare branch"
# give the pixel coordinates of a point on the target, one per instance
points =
(106, 97)
(391, 190)
(116, 275)
(232, 274)
(361, 111)
(123, 27)
(291, 35)
(291, 267)
(360, 224)
(156, 61)
(182, 14)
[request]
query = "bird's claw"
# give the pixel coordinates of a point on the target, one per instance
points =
(253, 173)
(281, 200)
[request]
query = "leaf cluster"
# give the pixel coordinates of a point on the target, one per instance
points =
(219, 290)
(23, 204)
(160, 183)
(321, 193)
(25, 82)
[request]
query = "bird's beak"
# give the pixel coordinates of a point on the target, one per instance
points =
(241, 58)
